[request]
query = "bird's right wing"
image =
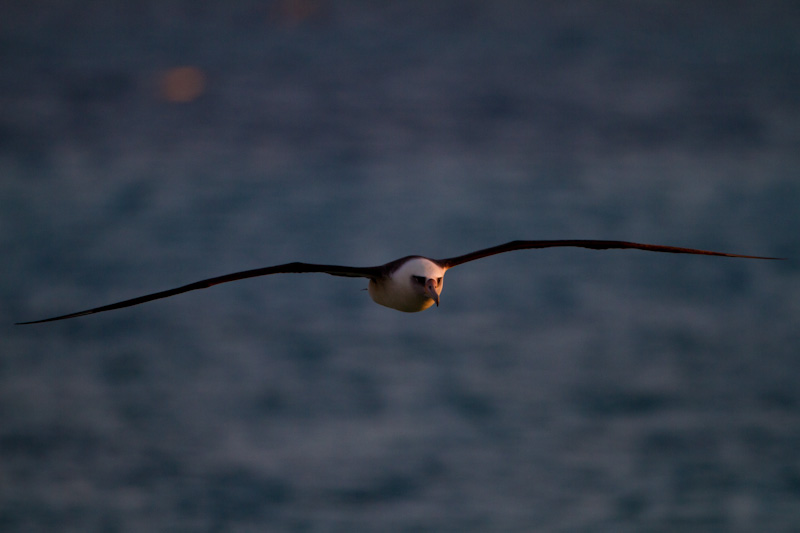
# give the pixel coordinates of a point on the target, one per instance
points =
(288, 268)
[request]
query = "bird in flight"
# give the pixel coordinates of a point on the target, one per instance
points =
(408, 284)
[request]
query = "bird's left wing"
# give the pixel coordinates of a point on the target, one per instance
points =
(593, 244)
(288, 268)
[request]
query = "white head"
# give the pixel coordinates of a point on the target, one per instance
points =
(415, 286)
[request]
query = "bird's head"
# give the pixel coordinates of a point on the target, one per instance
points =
(430, 288)
(425, 278)
(414, 285)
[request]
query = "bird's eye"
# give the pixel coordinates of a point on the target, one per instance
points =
(439, 281)
(419, 279)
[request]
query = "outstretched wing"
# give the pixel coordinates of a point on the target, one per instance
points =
(593, 244)
(288, 268)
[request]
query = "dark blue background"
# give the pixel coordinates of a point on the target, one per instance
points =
(554, 390)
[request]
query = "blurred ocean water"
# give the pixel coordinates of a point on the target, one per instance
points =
(555, 390)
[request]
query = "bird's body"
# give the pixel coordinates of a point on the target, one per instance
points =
(408, 284)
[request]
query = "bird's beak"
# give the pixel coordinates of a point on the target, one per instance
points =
(430, 288)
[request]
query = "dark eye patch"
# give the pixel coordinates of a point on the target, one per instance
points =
(419, 279)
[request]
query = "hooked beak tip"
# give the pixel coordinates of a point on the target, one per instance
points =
(431, 286)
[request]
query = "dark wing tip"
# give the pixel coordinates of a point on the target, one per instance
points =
(40, 321)
(37, 321)
(74, 315)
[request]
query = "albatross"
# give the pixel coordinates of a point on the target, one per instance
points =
(410, 284)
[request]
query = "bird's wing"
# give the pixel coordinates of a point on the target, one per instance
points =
(596, 245)
(288, 268)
